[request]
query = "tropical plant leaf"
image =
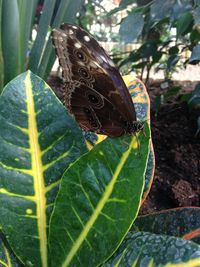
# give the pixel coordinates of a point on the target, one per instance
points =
(40, 41)
(7, 258)
(195, 57)
(131, 27)
(196, 15)
(27, 11)
(66, 12)
(183, 24)
(11, 40)
(181, 222)
(194, 100)
(147, 249)
(98, 200)
(38, 141)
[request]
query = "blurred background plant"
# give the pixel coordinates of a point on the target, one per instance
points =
(145, 37)
(24, 34)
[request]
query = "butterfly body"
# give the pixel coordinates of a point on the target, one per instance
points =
(93, 90)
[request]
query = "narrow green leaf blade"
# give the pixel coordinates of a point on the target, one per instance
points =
(98, 200)
(38, 141)
(11, 40)
(66, 13)
(40, 42)
(27, 10)
(181, 222)
(146, 249)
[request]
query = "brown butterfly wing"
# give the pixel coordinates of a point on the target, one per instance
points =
(83, 59)
(88, 107)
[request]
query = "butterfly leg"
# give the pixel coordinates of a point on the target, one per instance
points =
(138, 145)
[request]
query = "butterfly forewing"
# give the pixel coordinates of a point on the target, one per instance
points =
(94, 91)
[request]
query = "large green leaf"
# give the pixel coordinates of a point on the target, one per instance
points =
(171, 8)
(7, 258)
(184, 24)
(98, 200)
(182, 222)
(146, 249)
(38, 141)
(131, 27)
(1, 53)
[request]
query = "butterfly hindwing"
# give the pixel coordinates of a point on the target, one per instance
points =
(88, 107)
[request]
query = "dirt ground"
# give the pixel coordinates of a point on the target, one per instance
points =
(177, 152)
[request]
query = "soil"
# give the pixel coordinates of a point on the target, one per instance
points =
(177, 151)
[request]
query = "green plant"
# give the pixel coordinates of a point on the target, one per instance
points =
(166, 31)
(94, 203)
(18, 51)
(193, 101)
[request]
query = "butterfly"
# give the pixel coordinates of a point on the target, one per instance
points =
(94, 91)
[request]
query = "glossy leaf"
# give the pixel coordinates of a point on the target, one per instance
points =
(194, 100)
(195, 57)
(183, 24)
(1, 53)
(98, 200)
(7, 258)
(131, 27)
(38, 141)
(147, 249)
(141, 102)
(182, 222)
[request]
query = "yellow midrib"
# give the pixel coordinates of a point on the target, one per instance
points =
(97, 211)
(37, 170)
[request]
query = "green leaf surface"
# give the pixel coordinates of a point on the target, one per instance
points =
(183, 24)
(182, 222)
(147, 249)
(1, 53)
(66, 12)
(194, 100)
(171, 8)
(198, 127)
(11, 40)
(40, 42)
(98, 200)
(131, 27)
(196, 15)
(7, 258)
(38, 141)
(195, 57)
(172, 61)
(27, 11)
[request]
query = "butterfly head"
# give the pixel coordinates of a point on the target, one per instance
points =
(134, 127)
